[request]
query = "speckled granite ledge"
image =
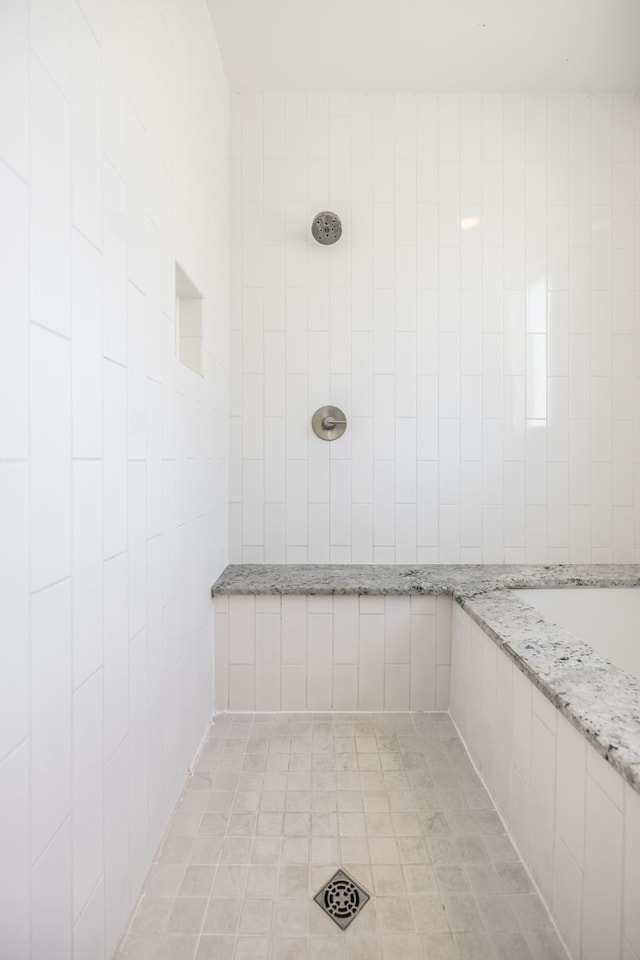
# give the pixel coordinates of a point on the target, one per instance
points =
(383, 579)
(598, 698)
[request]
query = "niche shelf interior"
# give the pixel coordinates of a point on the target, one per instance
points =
(188, 321)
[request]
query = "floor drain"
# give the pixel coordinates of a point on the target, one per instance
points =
(341, 899)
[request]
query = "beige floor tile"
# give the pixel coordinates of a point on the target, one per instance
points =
(152, 916)
(252, 948)
(439, 946)
(197, 881)
(135, 947)
(354, 849)
(509, 946)
(256, 916)
(236, 850)
(187, 915)
(496, 913)
(289, 948)
(530, 911)
(420, 878)
(291, 917)
(429, 914)
(178, 946)
(462, 914)
(514, 877)
(164, 879)
(205, 850)
(383, 850)
(229, 881)
(324, 850)
(394, 915)
(362, 946)
(388, 881)
(452, 879)
(222, 916)
(400, 947)
(278, 803)
(545, 945)
(293, 880)
(215, 948)
(474, 946)
(266, 850)
(262, 881)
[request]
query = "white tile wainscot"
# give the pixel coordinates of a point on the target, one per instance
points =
(574, 820)
(337, 652)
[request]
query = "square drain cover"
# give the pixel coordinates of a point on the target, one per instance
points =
(341, 898)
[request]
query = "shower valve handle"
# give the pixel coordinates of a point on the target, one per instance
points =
(330, 423)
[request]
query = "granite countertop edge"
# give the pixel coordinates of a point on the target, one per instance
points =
(596, 697)
(413, 580)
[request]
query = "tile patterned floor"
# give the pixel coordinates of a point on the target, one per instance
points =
(278, 803)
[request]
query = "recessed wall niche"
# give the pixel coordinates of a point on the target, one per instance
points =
(188, 321)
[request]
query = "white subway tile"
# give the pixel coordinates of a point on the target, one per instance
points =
(51, 899)
(567, 897)
(114, 385)
(88, 931)
(320, 603)
(116, 835)
(267, 667)
(241, 687)
(116, 654)
(371, 666)
(14, 606)
(603, 870)
(14, 303)
(320, 671)
(423, 660)
(346, 626)
(294, 630)
(50, 223)
(319, 537)
(50, 729)
(87, 569)
(241, 629)
(14, 837)
(50, 458)
(543, 788)
(87, 821)
(14, 80)
(396, 686)
(294, 687)
(87, 132)
(631, 879)
(345, 687)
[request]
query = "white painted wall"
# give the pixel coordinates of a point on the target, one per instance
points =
(113, 457)
(478, 323)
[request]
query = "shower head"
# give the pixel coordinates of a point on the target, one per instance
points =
(326, 227)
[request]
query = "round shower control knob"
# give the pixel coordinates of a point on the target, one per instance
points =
(329, 423)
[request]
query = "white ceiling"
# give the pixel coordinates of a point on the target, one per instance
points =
(436, 45)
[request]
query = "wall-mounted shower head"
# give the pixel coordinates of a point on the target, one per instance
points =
(326, 227)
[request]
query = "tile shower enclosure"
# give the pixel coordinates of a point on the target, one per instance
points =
(476, 322)
(490, 248)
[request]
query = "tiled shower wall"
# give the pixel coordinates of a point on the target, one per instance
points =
(369, 653)
(477, 322)
(113, 457)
